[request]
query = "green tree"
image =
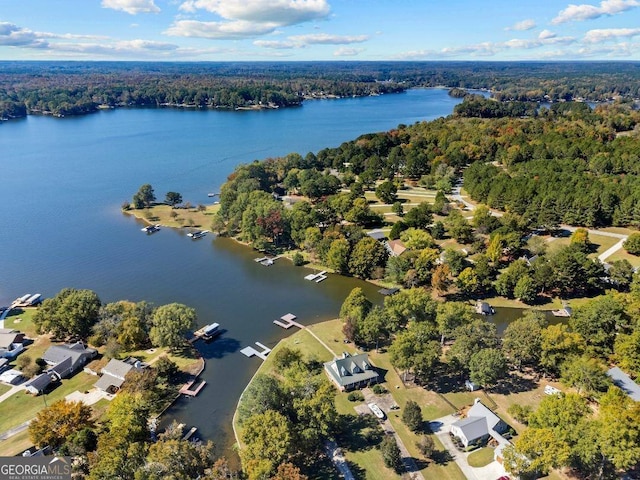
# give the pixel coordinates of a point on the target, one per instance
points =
(627, 351)
(487, 366)
(262, 394)
(450, 316)
(338, 256)
(586, 374)
(412, 416)
(415, 350)
(621, 274)
(426, 446)
(468, 282)
(525, 290)
(558, 344)
(419, 216)
(374, 327)
(356, 306)
(386, 192)
(173, 198)
(459, 227)
(632, 244)
(54, 424)
(268, 438)
(144, 197)
(536, 451)
(391, 453)
(170, 324)
(471, 338)
(176, 459)
(409, 305)
(70, 314)
(417, 239)
(620, 429)
(367, 255)
(522, 339)
(397, 208)
(598, 321)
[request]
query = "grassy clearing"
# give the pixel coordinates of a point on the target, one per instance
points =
(619, 230)
(162, 214)
(481, 457)
(21, 407)
(623, 255)
(15, 445)
(22, 319)
(4, 388)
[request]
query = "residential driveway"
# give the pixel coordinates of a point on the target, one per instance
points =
(338, 459)
(441, 428)
(92, 396)
(385, 402)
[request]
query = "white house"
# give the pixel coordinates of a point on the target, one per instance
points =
(480, 424)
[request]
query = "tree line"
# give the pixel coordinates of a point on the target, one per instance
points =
(73, 88)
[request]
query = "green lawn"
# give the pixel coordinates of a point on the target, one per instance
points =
(15, 445)
(481, 457)
(623, 255)
(22, 320)
(4, 388)
(21, 407)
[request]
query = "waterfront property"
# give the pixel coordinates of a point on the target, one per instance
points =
(479, 425)
(250, 351)
(11, 343)
(115, 373)
(67, 359)
(287, 321)
(351, 371)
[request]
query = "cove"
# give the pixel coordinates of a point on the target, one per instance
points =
(63, 181)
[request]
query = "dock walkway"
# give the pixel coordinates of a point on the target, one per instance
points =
(287, 321)
(250, 351)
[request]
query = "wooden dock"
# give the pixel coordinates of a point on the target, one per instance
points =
(192, 392)
(190, 433)
(287, 321)
(250, 351)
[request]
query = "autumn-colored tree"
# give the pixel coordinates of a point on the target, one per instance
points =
(441, 279)
(288, 471)
(54, 424)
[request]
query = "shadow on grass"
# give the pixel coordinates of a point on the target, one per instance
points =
(514, 384)
(441, 457)
(359, 432)
(359, 473)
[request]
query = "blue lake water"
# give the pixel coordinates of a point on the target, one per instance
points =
(64, 180)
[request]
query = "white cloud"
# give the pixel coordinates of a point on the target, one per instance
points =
(219, 30)
(326, 39)
(347, 52)
(527, 24)
(276, 44)
(132, 7)
(605, 34)
(546, 34)
(15, 36)
(280, 12)
(582, 12)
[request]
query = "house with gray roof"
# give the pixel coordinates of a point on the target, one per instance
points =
(67, 359)
(115, 372)
(38, 384)
(480, 424)
(11, 343)
(624, 383)
(351, 371)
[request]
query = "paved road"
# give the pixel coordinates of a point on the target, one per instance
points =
(338, 459)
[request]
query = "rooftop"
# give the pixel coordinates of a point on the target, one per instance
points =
(625, 383)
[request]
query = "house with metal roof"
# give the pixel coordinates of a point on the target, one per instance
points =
(67, 359)
(624, 383)
(11, 343)
(480, 424)
(351, 371)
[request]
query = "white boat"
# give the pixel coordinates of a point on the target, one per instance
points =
(151, 228)
(196, 235)
(211, 331)
(376, 410)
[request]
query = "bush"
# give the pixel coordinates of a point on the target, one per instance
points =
(632, 244)
(298, 259)
(379, 389)
(355, 397)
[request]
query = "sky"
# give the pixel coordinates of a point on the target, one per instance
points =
(368, 30)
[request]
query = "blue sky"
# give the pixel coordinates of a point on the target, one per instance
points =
(223, 30)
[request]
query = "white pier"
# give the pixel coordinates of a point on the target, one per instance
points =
(250, 351)
(317, 277)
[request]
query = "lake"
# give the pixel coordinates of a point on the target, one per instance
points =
(64, 180)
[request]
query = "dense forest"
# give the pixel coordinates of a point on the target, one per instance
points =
(72, 88)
